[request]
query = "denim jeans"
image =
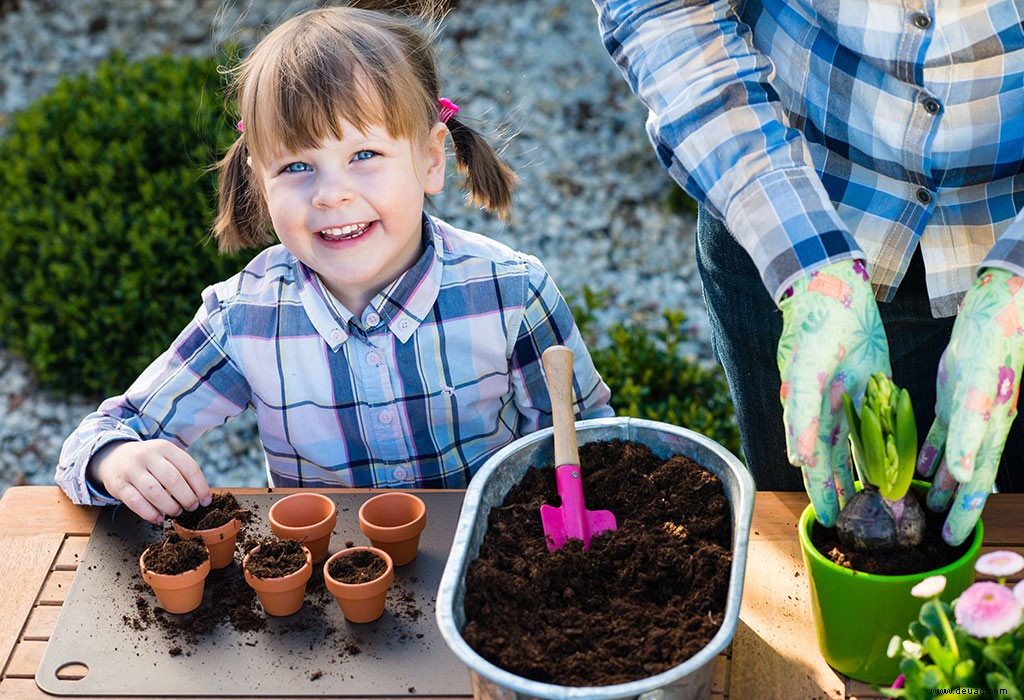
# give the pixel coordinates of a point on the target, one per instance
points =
(746, 325)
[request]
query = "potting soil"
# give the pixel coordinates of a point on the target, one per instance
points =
(642, 599)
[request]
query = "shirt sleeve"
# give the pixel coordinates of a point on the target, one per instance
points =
(193, 387)
(717, 126)
(547, 321)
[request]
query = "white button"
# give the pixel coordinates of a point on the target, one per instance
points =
(386, 418)
(372, 320)
(336, 334)
(404, 324)
(372, 358)
(401, 474)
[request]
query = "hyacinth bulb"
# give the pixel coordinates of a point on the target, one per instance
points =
(871, 523)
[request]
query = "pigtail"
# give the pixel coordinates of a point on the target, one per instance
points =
(489, 179)
(242, 219)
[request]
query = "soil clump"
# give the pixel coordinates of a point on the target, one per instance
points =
(642, 599)
(358, 567)
(276, 558)
(223, 507)
(175, 555)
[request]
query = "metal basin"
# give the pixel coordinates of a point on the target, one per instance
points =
(690, 679)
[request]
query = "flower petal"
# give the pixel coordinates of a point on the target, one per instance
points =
(1000, 563)
(929, 587)
(988, 609)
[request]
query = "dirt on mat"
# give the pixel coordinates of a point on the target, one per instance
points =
(932, 553)
(644, 598)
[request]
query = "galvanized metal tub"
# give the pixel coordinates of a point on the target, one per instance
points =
(690, 680)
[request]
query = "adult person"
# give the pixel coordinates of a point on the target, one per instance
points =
(859, 171)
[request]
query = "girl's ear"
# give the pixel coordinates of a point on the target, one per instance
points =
(433, 181)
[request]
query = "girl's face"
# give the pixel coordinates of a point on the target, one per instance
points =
(352, 209)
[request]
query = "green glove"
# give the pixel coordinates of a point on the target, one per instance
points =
(976, 400)
(832, 340)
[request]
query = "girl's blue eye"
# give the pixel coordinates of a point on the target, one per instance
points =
(297, 168)
(364, 155)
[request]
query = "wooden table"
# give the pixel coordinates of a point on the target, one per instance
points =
(773, 655)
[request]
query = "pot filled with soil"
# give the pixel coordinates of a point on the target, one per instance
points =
(176, 568)
(646, 608)
(216, 525)
(884, 542)
(359, 579)
(393, 522)
(308, 518)
(278, 571)
(859, 602)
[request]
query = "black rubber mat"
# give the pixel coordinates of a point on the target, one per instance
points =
(106, 625)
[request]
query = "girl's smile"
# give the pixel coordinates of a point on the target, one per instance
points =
(351, 209)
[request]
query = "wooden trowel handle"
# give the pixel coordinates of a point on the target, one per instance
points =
(557, 362)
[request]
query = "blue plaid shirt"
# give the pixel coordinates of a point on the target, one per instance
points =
(824, 130)
(441, 371)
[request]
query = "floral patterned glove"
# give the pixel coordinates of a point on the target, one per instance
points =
(832, 340)
(976, 400)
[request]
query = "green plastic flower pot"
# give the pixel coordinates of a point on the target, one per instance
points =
(856, 614)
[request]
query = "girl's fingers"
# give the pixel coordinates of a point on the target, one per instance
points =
(138, 504)
(189, 486)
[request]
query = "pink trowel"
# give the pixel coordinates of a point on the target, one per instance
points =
(571, 519)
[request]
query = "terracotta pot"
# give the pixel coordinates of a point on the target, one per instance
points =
(282, 595)
(219, 540)
(361, 602)
(177, 593)
(393, 521)
(307, 517)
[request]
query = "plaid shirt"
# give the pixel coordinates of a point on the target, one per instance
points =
(824, 130)
(441, 371)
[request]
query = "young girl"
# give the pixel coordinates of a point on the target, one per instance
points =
(378, 346)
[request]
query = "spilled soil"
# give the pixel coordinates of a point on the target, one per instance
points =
(642, 599)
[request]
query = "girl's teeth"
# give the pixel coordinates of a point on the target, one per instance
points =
(350, 231)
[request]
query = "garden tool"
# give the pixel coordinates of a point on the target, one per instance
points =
(571, 519)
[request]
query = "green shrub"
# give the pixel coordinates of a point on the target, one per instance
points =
(106, 199)
(650, 378)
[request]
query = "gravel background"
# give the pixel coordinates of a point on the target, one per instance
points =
(591, 201)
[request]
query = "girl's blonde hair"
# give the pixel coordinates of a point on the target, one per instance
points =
(370, 67)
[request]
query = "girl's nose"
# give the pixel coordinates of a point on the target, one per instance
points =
(332, 191)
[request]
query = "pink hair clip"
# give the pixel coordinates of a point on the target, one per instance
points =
(240, 125)
(448, 109)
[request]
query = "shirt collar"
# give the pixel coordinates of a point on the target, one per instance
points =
(402, 305)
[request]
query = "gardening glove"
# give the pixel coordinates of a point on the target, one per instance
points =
(976, 400)
(832, 340)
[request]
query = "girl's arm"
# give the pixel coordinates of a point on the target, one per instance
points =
(191, 388)
(548, 321)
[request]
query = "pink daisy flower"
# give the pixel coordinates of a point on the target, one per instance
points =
(988, 609)
(999, 564)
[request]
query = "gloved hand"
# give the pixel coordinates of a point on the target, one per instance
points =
(976, 400)
(832, 340)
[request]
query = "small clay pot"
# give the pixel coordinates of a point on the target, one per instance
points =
(361, 602)
(177, 593)
(393, 521)
(219, 540)
(281, 595)
(307, 517)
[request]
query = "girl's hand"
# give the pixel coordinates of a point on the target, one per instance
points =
(154, 478)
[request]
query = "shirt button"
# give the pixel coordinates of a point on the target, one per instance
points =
(336, 334)
(372, 358)
(924, 196)
(404, 324)
(401, 474)
(372, 320)
(932, 106)
(386, 418)
(922, 21)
